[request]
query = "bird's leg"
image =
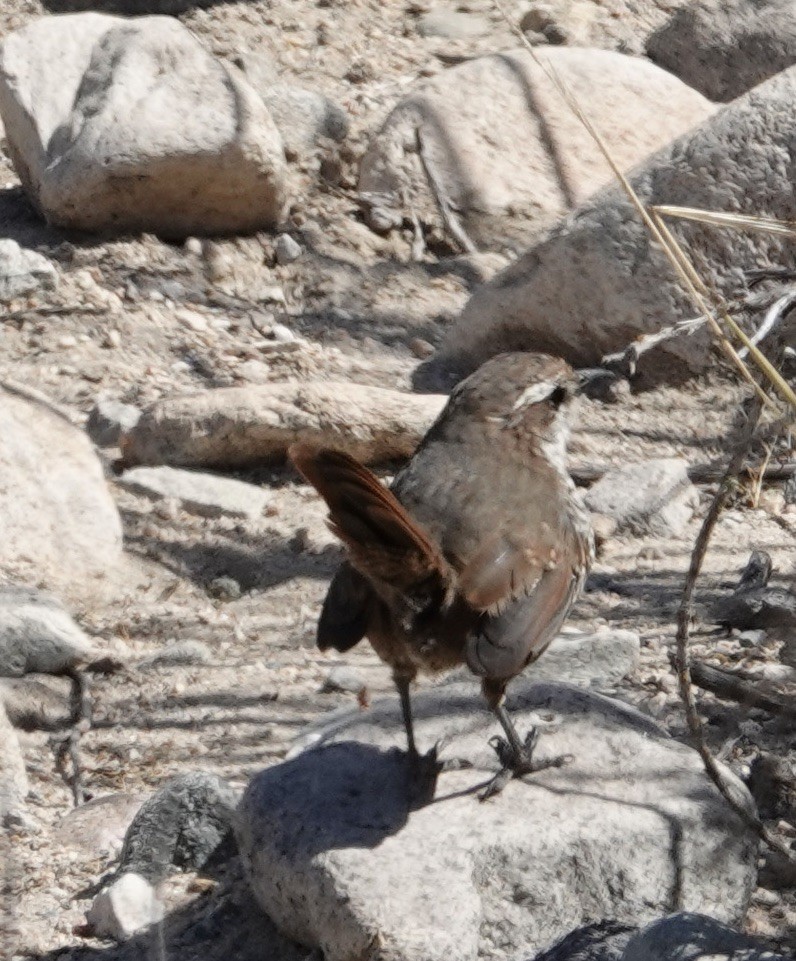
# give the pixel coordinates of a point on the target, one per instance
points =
(425, 768)
(402, 682)
(515, 755)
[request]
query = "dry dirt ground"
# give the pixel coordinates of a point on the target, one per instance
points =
(115, 325)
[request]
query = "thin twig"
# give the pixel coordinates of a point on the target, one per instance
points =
(732, 686)
(624, 362)
(684, 616)
(441, 199)
(774, 316)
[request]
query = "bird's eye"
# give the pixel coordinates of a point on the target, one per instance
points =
(558, 396)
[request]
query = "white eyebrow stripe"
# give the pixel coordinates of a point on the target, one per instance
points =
(535, 393)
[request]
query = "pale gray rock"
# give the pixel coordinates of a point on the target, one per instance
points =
(98, 826)
(452, 24)
(339, 858)
(240, 426)
(694, 937)
(61, 528)
(129, 904)
(24, 271)
(13, 777)
(181, 826)
(508, 154)
(37, 634)
(204, 494)
(287, 250)
(198, 152)
(109, 419)
(224, 589)
(725, 47)
(38, 702)
(649, 497)
(597, 281)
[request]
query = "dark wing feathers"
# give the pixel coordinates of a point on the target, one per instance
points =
(384, 542)
(346, 610)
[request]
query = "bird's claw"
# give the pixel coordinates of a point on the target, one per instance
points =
(517, 763)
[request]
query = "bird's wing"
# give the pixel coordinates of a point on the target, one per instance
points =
(346, 611)
(384, 543)
(512, 634)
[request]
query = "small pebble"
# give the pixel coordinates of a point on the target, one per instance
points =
(282, 334)
(287, 250)
(224, 589)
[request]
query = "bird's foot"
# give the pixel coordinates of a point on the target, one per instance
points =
(425, 769)
(517, 763)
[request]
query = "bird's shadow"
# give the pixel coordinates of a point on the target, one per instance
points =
(349, 795)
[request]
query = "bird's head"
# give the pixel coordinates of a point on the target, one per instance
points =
(521, 392)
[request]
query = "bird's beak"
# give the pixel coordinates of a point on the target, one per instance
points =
(592, 381)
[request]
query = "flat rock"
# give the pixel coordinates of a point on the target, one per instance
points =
(37, 634)
(508, 154)
(204, 494)
(649, 497)
(13, 777)
(99, 826)
(341, 861)
(725, 47)
(597, 282)
(596, 659)
(24, 271)
(61, 528)
(129, 904)
(240, 426)
(694, 937)
(198, 152)
(181, 826)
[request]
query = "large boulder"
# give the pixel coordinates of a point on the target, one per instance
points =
(60, 527)
(508, 153)
(598, 281)
(116, 124)
(630, 828)
(239, 426)
(725, 47)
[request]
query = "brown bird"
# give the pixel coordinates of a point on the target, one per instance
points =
(478, 550)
